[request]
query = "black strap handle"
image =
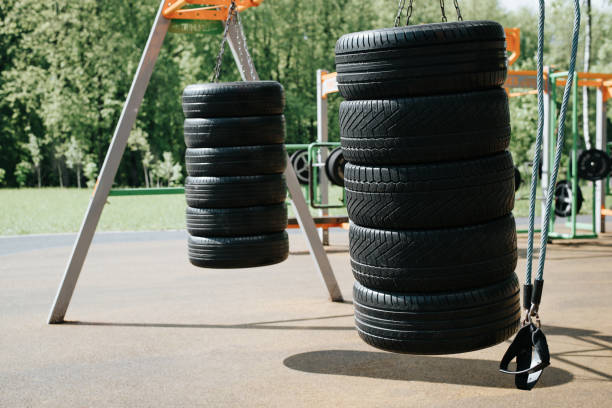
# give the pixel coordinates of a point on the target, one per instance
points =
(532, 356)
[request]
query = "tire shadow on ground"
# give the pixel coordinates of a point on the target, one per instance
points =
(402, 367)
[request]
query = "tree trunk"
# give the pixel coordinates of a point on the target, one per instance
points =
(587, 63)
(38, 175)
(59, 172)
(78, 170)
(146, 174)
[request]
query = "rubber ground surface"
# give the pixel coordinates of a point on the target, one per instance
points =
(144, 326)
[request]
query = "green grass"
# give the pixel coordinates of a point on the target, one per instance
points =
(55, 210)
(52, 210)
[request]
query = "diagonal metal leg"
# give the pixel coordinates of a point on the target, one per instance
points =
(237, 43)
(109, 168)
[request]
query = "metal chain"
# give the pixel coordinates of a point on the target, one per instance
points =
(459, 16)
(400, 9)
(444, 19)
(409, 12)
(230, 15)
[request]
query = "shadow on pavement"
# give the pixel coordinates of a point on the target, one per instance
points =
(402, 367)
(269, 325)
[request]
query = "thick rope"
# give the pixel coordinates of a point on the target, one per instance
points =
(538, 146)
(560, 140)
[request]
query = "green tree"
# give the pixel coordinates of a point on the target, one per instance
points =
(33, 149)
(23, 170)
(75, 157)
(90, 171)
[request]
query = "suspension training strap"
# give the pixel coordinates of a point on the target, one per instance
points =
(529, 346)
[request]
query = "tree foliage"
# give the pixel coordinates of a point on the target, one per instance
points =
(66, 68)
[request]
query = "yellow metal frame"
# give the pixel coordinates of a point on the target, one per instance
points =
(210, 10)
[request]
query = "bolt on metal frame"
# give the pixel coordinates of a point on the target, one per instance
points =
(124, 127)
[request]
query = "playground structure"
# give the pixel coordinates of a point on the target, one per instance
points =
(326, 84)
(525, 81)
(168, 10)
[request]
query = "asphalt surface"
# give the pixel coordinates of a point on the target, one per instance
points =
(147, 329)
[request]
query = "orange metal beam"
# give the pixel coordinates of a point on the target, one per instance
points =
(513, 44)
(210, 10)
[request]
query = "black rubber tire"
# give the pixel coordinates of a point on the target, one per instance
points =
(238, 252)
(441, 323)
(425, 261)
(438, 195)
(425, 129)
(334, 167)
(232, 222)
(518, 179)
(241, 131)
(236, 161)
(235, 192)
(421, 60)
(230, 99)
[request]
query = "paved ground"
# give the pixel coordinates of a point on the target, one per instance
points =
(148, 329)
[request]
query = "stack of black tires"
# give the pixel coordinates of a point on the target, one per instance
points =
(430, 186)
(235, 159)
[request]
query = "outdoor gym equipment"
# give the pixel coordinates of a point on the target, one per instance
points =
(248, 229)
(430, 186)
(168, 10)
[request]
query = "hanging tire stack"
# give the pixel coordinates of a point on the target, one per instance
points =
(430, 186)
(235, 159)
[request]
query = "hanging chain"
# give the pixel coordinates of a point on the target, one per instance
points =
(400, 9)
(230, 16)
(444, 19)
(409, 12)
(459, 16)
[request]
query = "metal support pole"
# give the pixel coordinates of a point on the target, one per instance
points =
(235, 38)
(600, 143)
(322, 137)
(109, 168)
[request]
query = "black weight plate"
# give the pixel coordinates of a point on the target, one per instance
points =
(564, 199)
(334, 167)
(593, 165)
(299, 161)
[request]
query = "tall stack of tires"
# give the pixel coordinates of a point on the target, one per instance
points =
(235, 159)
(430, 186)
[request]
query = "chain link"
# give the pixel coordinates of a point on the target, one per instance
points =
(444, 19)
(459, 16)
(409, 12)
(400, 9)
(231, 14)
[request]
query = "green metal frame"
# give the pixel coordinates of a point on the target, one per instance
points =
(146, 191)
(572, 171)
